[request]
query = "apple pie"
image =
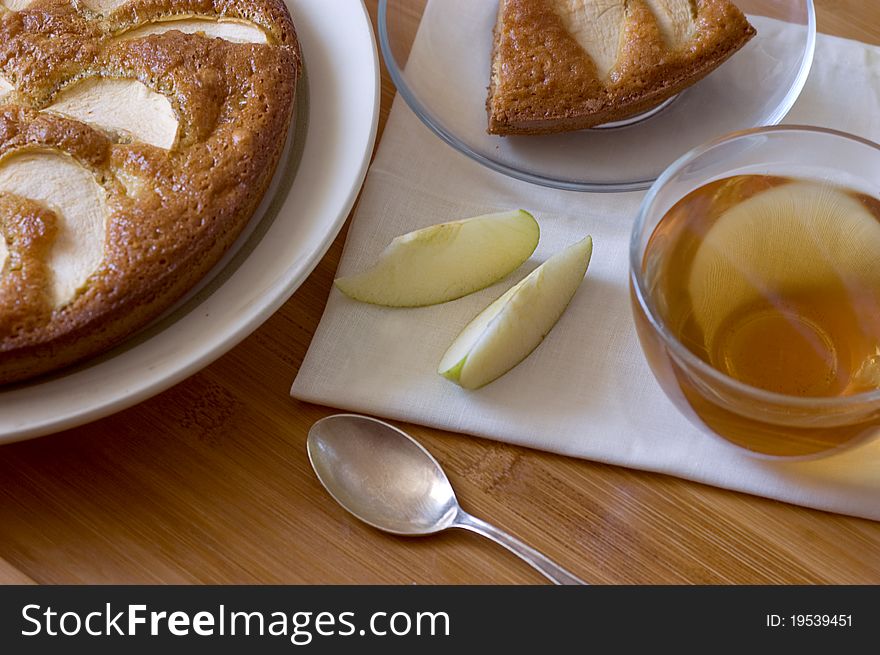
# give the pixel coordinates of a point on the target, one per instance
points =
(561, 65)
(137, 138)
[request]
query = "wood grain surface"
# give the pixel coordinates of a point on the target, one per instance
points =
(209, 483)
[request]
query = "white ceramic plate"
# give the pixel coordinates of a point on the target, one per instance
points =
(329, 156)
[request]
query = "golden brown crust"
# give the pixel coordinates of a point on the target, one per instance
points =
(544, 82)
(234, 103)
(29, 230)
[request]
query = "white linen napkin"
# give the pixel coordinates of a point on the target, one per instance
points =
(586, 391)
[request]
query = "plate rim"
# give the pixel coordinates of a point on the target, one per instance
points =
(270, 298)
(418, 107)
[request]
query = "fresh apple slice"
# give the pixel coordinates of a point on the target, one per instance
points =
(443, 262)
(509, 329)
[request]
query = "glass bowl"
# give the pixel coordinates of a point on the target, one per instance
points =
(438, 55)
(763, 423)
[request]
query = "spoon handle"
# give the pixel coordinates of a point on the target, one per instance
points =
(550, 569)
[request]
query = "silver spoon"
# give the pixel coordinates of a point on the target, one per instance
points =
(389, 481)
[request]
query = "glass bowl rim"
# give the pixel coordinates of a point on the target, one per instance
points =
(682, 353)
(427, 118)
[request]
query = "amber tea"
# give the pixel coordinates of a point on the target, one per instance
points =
(775, 282)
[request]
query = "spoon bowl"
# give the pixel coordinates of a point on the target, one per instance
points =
(387, 479)
(381, 475)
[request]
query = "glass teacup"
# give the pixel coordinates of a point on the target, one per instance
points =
(757, 300)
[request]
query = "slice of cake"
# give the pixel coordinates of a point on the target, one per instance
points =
(561, 65)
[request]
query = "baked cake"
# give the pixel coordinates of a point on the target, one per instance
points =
(562, 65)
(137, 138)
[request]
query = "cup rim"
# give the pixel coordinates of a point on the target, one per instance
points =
(678, 349)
